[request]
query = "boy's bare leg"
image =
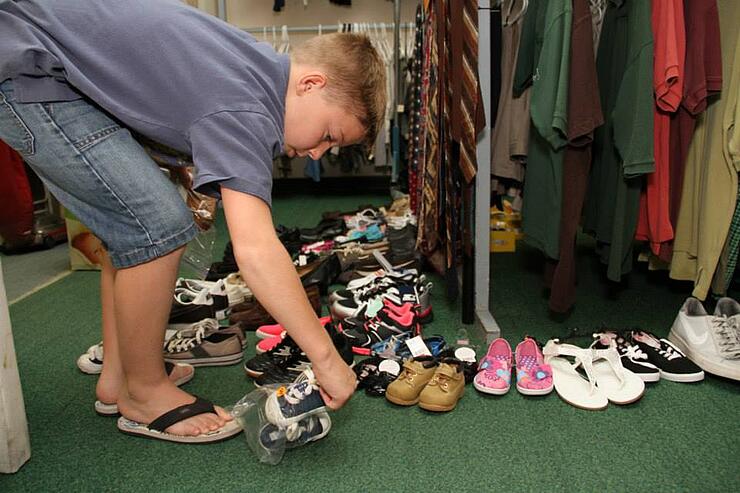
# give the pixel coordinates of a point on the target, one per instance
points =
(111, 378)
(143, 297)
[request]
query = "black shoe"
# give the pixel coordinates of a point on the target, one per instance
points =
(672, 363)
(275, 357)
(633, 358)
(287, 370)
(189, 307)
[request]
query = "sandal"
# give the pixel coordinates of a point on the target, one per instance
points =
(156, 428)
(104, 409)
(620, 385)
(569, 384)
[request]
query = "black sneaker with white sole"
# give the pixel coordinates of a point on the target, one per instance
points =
(671, 362)
(633, 358)
(275, 357)
(286, 370)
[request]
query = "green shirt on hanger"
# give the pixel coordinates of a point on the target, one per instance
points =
(548, 136)
(623, 146)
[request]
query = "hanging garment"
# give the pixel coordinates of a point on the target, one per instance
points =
(728, 260)
(710, 183)
(623, 146)
(584, 116)
(511, 135)
(669, 35)
(703, 77)
(496, 54)
(548, 135)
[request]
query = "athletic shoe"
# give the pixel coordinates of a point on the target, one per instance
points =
(633, 358)
(294, 402)
(232, 286)
(269, 344)
(494, 370)
(668, 358)
(359, 287)
(310, 429)
(91, 362)
(285, 350)
(204, 345)
(190, 307)
(279, 371)
(712, 342)
(372, 302)
(272, 330)
(533, 375)
(385, 324)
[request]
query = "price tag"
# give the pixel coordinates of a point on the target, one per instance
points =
(417, 347)
(302, 260)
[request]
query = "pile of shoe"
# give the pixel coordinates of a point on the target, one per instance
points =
(285, 360)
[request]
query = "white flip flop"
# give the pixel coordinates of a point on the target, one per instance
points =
(620, 385)
(569, 384)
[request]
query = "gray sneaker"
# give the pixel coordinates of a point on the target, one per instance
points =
(204, 344)
(712, 342)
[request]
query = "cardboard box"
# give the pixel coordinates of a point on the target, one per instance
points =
(84, 247)
(503, 241)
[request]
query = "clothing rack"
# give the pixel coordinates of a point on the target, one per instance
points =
(482, 220)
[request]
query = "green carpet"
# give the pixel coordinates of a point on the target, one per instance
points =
(677, 438)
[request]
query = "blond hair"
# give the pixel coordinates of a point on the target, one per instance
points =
(355, 76)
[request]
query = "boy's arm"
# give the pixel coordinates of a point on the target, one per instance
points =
(268, 271)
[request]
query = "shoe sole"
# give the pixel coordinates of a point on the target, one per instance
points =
(486, 390)
(534, 392)
(401, 402)
(229, 359)
(111, 410)
(649, 377)
(697, 358)
(229, 430)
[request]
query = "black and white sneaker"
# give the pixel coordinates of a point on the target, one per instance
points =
(672, 363)
(190, 307)
(310, 429)
(280, 371)
(269, 360)
(633, 358)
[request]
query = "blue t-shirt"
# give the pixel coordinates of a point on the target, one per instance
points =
(168, 71)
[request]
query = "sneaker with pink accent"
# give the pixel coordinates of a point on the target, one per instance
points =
(265, 345)
(494, 370)
(274, 330)
(533, 375)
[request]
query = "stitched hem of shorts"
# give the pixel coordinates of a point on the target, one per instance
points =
(121, 260)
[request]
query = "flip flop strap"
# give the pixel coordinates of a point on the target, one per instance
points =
(200, 406)
(612, 356)
(168, 367)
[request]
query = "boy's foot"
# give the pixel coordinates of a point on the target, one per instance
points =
(174, 415)
(179, 374)
(106, 390)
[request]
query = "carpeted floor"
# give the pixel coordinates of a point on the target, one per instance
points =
(679, 437)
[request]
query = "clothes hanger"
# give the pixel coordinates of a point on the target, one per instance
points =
(285, 40)
(512, 20)
(274, 39)
(319, 29)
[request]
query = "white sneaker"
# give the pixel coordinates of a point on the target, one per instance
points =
(92, 361)
(712, 342)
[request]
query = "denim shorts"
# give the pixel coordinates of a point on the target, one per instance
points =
(96, 169)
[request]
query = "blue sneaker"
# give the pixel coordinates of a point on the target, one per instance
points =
(310, 429)
(292, 403)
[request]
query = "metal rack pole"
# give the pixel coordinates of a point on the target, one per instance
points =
(221, 9)
(483, 182)
(396, 137)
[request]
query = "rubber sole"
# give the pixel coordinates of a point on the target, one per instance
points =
(229, 430)
(702, 362)
(229, 359)
(535, 392)
(441, 409)
(486, 390)
(400, 402)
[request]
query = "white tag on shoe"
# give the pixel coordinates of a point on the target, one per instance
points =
(302, 260)
(390, 366)
(417, 347)
(465, 354)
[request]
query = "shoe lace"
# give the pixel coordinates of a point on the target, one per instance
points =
(632, 351)
(187, 339)
(294, 431)
(670, 353)
(727, 336)
(300, 390)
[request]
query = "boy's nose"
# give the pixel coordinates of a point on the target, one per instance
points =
(319, 150)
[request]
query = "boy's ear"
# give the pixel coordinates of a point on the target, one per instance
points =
(310, 81)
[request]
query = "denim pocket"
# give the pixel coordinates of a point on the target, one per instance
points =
(82, 123)
(13, 130)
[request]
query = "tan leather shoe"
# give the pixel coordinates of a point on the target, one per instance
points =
(445, 388)
(405, 390)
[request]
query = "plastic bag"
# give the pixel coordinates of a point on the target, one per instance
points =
(269, 436)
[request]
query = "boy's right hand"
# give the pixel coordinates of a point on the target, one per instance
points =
(337, 381)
